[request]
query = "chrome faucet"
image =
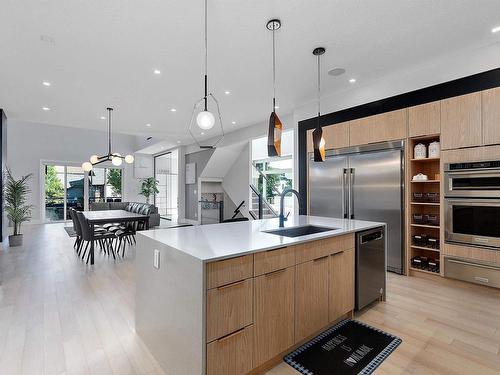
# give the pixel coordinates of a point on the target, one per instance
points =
(282, 204)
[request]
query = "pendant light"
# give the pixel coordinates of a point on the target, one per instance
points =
(115, 158)
(317, 135)
(202, 118)
(275, 125)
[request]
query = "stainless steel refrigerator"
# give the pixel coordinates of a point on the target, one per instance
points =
(365, 183)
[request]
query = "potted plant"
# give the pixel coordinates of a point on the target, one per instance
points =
(149, 187)
(18, 212)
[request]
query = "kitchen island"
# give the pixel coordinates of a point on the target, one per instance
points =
(233, 298)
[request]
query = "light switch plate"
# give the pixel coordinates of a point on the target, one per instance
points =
(156, 259)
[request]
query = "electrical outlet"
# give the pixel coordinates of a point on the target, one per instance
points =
(156, 259)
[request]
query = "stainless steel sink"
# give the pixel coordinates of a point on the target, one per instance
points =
(299, 231)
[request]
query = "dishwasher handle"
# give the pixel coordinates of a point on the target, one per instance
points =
(373, 236)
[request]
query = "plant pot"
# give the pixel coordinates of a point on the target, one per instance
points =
(16, 240)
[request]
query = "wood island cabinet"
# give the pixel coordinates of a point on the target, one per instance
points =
(274, 314)
(341, 290)
(311, 301)
(259, 306)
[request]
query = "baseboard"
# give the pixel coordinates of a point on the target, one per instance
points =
(189, 221)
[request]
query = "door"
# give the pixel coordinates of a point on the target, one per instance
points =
(326, 187)
(341, 280)
(274, 314)
(311, 304)
(377, 195)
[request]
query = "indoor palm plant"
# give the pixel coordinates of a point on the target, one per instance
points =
(18, 212)
(149, 187)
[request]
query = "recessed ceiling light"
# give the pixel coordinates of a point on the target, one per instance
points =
(46, 108)
(156, 71)
(233, 122)
(336, 72)
(173, 110)
(178, 141)
(161, 147)
(495, 29)
(352, 80)
(46, 83)
(148, 125)
(103, 117)
(202, 133)
(227, 92)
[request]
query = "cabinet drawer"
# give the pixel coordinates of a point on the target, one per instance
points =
(229, 308)
(229, 271)
(273, 260)
(317, 249)
(231, 355)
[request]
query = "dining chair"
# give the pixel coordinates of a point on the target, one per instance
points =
(77, 228)
(103, 237)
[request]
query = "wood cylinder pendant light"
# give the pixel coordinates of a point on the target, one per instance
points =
(275, 125)
(319, 145)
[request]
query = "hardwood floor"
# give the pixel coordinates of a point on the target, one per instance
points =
(58, 316)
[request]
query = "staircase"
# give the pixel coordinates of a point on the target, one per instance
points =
(260, 207)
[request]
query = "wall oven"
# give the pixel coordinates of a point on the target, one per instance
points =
(472, 203)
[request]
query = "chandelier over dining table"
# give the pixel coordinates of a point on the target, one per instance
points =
(115, 158)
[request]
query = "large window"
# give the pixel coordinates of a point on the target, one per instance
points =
(272, 175)
(68, 186)
(167, 174)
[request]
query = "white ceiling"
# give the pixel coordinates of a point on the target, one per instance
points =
(104, 53)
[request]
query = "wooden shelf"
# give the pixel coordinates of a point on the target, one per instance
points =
(424, 271)
(426, 160)
(426, 181)
(425, 248)
(425, 203)
(425, 226)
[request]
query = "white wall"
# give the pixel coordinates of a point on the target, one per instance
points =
(31, 143)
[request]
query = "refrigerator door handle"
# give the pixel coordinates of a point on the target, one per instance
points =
(351, 193)
(344, 193)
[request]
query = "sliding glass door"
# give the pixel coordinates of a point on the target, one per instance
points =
(68, 186)
(167, 174)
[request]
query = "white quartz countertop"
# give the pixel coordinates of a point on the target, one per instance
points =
(219, 241)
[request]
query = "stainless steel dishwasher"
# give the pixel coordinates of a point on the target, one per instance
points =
(370, 266)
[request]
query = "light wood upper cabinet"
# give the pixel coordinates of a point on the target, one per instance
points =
(387, 126)
(491, 116)
(461, 121)
(341, 288)
(311, 299)
(274, 314)
(336, 136)
(424, 119)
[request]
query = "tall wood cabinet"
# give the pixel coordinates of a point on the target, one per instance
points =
(424, 119)
(491, 116)
(383, 127)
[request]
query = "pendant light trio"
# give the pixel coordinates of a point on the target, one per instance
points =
(275, 125)
(206, 120)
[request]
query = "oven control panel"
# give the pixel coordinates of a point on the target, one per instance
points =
(473, 165)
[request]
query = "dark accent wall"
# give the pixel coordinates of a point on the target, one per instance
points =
(461, 86)
(3, 153)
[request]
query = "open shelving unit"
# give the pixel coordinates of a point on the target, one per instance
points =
(431, 168)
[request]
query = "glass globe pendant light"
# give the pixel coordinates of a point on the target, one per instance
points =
(319, 144)
(115, 158)
(202, 118)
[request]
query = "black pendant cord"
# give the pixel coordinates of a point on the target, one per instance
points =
(109, 130)
(274, 71)
(319, 90)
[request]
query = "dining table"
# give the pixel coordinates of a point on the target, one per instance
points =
(112, 216)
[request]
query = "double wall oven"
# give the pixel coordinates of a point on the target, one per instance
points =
(472, 203)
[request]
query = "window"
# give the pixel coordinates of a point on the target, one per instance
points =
(270, 176)
(105, 185)
(167, 174)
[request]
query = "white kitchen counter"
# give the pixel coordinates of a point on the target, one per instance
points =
(218, 241)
